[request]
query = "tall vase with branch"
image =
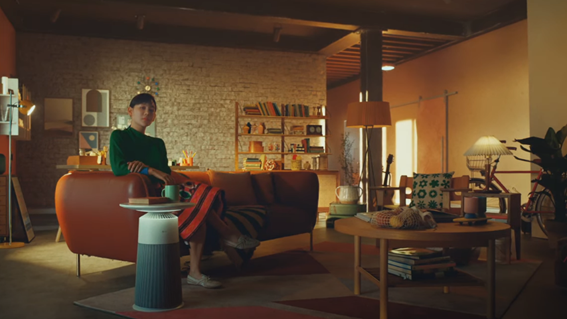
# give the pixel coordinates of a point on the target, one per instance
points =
(349, 192)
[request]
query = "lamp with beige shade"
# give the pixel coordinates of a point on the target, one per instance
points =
(368, 115)
(488, 146)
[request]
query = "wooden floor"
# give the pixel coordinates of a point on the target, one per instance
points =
(38, 281)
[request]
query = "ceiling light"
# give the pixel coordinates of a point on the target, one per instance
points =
(140, 21)
(388, 67)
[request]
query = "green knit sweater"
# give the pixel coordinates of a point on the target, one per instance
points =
(130, 145)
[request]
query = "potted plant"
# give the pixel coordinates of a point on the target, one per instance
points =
(554, 180)
(349, 192)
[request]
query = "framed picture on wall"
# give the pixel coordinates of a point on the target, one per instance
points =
(88, 140)
(95, 108)
(58, 117)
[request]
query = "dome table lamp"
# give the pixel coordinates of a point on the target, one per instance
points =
(488, 146)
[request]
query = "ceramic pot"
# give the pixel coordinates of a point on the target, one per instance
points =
(348, 194)
(555, 231)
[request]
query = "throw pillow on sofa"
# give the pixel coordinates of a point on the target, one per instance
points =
(427, 192)
(237, 187)
(263, 184)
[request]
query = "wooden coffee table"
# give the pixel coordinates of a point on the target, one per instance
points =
(445, 235)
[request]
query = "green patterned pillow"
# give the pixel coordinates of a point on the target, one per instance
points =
(427, 190)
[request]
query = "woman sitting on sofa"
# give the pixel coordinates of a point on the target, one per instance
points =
(131, 151)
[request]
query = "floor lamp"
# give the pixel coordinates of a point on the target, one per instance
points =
(26, 107)
(368, 115)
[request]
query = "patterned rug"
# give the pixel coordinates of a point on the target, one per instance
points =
(319, 284)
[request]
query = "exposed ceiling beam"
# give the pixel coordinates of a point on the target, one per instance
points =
(300, 12)
(10, 9)
(172, 34)
(508, 14)
(343, 81)
(345, 42)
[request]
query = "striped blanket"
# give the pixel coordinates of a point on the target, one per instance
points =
(206, 198)
(248, 220)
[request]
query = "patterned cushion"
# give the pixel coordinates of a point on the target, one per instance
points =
(427, 190)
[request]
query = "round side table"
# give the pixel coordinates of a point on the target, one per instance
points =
(158, 285)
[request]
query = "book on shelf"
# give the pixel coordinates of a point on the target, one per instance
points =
(253, 169)
(415, 253)
(316, 149)
(251, 110)
(148, 200)
(439, 265)
(409, 261)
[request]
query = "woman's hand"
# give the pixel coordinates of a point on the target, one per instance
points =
(136, 166)
(166, 178)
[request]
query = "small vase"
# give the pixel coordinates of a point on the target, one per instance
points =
(261, 128)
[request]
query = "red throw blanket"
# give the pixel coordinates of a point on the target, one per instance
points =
(206, 198)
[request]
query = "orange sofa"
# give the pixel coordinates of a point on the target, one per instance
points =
(94, 224)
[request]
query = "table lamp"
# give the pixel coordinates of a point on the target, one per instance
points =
(367, 115)
(488, 146)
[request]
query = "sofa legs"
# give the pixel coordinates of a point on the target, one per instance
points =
(311, 241)
(78, 265)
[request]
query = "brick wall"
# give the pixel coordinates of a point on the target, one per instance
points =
(199, 88)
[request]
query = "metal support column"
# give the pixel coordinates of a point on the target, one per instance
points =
(371, 89)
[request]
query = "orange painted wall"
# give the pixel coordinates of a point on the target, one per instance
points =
(490, 73)
(7, 68)
(548, 69)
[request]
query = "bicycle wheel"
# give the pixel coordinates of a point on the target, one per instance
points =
(492, 203)
(543, 203)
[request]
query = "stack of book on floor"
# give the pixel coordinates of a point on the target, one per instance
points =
(419, 263)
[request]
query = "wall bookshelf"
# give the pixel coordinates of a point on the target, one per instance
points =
(285, 139)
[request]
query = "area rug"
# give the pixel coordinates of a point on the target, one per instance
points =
(319, 284)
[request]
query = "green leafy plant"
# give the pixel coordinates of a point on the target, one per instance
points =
(554, 165)
(346, 159)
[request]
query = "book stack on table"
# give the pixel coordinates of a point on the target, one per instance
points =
(338, 211)
(419, 263)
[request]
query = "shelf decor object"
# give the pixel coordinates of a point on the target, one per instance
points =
(279, 130)
(487, 146)
(27, 107)
(368, 115)
(148, 85)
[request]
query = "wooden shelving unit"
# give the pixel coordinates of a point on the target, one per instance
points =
(283, 120)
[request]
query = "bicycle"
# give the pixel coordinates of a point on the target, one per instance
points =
(539, 202)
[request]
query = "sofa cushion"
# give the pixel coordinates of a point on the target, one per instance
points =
(427, 192)
(237, 187)
(263, 184)
(286, 220)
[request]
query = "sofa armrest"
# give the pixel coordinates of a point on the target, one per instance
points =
(92, 222)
